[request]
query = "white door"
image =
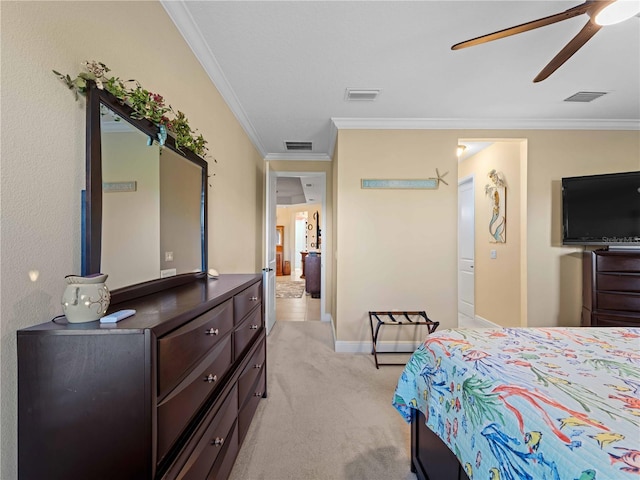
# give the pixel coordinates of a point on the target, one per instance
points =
(269, 272)
(466, 245)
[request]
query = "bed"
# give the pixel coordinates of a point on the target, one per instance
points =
(524, 403)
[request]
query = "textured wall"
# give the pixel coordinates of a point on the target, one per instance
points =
(43, 155)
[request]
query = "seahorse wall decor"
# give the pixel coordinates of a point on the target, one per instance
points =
(496, 190)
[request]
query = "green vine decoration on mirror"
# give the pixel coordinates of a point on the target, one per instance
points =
(145, 104)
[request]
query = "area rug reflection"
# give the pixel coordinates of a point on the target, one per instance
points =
(552, 403)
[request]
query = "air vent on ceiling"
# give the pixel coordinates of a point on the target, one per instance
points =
(361, 94)
(298, 146)
(584, 96)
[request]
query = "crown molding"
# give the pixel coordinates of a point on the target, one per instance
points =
(187, 27)
(481, 124)
(184, 22)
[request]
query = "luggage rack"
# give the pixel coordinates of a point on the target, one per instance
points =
(403, 318)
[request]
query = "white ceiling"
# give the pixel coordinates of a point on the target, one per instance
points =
(296, 189)
(284, 66)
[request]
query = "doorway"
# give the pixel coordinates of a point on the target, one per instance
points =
(304, 226)
(492, 271)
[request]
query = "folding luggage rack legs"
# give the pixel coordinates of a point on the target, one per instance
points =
(403, 318)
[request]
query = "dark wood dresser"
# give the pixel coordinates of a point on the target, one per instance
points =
(611, 288)
(312, 275)
(168, 393)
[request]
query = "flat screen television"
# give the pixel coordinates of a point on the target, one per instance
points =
(601, 210)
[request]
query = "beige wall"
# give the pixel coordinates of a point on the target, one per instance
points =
(395, 248)
(497, 281)
(180, 213)
(398, 248)
(133, 257)
(43, 155)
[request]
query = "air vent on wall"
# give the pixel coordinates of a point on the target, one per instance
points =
(584, 96)
(298, 146)
(361, 94)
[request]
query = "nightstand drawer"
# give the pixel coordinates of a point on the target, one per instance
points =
(179, 407)
(246, 301)
(182, 348)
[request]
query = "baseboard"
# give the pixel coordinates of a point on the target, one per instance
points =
(477, 322)
(365, 347)
(404, 346)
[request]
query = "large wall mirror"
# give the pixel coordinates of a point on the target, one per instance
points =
(145, 215)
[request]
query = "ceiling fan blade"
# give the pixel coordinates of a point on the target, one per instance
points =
(525, 27)
(588, 31)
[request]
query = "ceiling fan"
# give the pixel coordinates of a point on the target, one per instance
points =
(600, 12)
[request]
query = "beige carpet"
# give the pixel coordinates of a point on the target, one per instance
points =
(328, 416)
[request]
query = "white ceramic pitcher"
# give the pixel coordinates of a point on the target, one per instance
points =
(85, 299)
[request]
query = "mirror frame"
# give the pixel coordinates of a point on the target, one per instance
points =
(92, 201)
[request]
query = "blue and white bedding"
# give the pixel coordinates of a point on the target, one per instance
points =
(531, 403)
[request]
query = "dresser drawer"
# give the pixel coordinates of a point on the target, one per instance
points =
(218, 444)
(618, 263)
(251, 372)
(249, 408)
(224, 463)
(177, 409)
(183, 348)
(618, 301)
(613, 320)
(247, 331)
(246, 301)
(618, 282)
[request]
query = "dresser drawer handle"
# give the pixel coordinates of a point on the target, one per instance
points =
(211, 378)
(253, 327)
(257, 394)
(254, 299)
(257, 365)
(212, 331)
(218, 442)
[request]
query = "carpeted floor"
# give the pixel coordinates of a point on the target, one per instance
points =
(289, 289)
(328, 416)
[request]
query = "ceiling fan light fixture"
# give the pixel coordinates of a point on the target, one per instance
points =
(617, 12)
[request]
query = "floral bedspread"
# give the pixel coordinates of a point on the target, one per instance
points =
(531, 403)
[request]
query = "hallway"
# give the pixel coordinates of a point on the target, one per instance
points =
(297, 309)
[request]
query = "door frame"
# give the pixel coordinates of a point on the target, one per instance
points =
(269, 248)
(470, 179)
(322, 177)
